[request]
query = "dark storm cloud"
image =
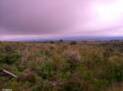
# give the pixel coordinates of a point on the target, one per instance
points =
(34, 16)
(47, 18)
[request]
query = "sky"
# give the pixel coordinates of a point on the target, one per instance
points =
(26, 19)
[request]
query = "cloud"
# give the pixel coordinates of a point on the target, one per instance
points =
(60, 18)
(35, 16)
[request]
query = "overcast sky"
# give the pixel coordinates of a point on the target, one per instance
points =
(60, 18)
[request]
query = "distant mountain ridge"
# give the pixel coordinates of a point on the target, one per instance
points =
(70, 38)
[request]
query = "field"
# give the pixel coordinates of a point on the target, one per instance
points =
(62, 66)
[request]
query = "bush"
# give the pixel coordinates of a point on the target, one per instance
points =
(73, 43)
(9, 57)
(46, 70)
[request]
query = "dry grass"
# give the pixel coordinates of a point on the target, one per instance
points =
(82, 66)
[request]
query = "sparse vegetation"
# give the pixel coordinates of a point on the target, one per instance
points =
(75, 66)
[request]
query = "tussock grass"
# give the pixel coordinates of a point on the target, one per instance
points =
(76, 66)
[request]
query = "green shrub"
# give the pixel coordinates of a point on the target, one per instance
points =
(46, 69)
(9, 58)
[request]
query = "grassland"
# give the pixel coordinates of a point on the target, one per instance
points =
(60, 66)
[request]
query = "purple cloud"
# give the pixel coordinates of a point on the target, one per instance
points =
(61, 17)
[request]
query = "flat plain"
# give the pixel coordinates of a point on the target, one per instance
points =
(62, 66)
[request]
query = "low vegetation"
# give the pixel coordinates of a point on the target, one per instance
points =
(62, 66)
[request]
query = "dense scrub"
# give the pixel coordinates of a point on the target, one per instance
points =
(88, 66)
